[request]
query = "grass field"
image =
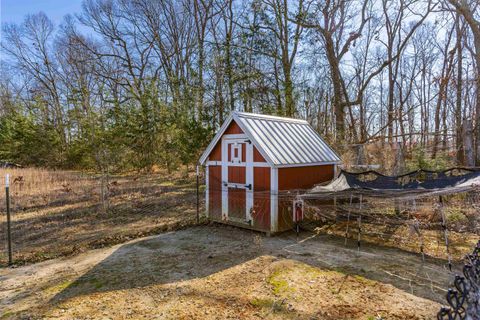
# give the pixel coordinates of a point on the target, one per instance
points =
(59, 213)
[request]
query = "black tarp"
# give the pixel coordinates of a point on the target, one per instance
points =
(414, 184)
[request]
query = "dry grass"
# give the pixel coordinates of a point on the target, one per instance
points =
(217, 272)
(404, 238)
(57, 213)
(404, 224)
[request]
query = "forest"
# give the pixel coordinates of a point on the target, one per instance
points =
(134, 84)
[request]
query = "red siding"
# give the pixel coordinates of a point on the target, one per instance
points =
(215, 191)
(237, 207)
(216, 154)
(236, 174)
(237, 197)
(261, 198)
(233, 128)
(303, 177)
(257, 157)
(298, 178)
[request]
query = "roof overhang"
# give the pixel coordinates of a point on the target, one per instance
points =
(312, 164)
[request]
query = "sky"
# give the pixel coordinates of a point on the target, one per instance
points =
(15, 10)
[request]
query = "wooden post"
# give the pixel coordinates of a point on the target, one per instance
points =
(102, 191)
(9, 230)
(359, 219)
(348, 218)
(445, 231)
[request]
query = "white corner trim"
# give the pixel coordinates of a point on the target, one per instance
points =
(249, 180)
(224, 179)
(273, 199)
(206, 191)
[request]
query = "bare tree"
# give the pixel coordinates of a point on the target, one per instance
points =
(468, 9)
(30, 47)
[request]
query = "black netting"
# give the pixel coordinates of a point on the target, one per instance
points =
(413, 184)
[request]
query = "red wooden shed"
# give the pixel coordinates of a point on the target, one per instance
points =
(252, 163)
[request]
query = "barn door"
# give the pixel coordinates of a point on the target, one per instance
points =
(237, 175)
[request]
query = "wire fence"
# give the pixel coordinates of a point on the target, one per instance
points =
(57, 213)
(445, 227)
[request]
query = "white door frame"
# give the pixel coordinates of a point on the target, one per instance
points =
(239, 138)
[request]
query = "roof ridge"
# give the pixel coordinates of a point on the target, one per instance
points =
(269, 117)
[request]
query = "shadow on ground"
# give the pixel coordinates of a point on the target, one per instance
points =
(167, 258)
(201, 251)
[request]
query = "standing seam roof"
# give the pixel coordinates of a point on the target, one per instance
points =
(286, 141)
(282, 141)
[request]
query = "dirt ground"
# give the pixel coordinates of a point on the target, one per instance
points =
(220, 272)
(61, 213)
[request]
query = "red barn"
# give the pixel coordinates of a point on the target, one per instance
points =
(251, 163)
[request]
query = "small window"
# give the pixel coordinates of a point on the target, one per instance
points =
(236, 153)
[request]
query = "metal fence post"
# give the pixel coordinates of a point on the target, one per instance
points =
(198, 200)
(9, 231)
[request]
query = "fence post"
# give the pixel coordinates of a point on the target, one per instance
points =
(198, 200)
(102, 186)
(9, 231)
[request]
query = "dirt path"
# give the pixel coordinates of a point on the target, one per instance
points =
(218, 272)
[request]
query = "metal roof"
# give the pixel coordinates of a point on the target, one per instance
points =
(282, 141)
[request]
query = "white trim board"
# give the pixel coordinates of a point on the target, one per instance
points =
(244, 164)
(274, 200)
(249, 180)
(224, 179)
(307, 164)
(207, 184)
(248, 165)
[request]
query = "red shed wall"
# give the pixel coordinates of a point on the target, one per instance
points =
(261, 198)
(298, 178)
(215, 192)
(261, 184)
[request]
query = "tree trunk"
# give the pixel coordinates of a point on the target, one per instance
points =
(458, 107)
(468, 134)
(289, 101)
(338, 106)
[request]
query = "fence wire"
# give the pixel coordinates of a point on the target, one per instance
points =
(445, 226)
(56, 213)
